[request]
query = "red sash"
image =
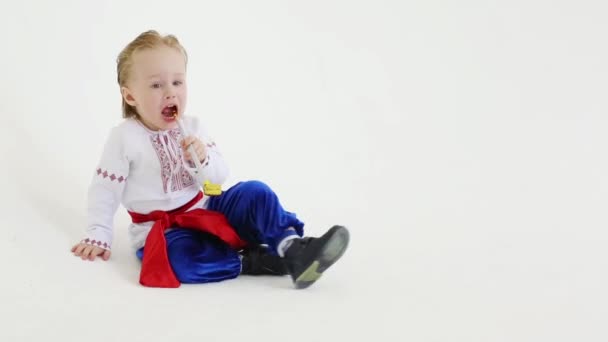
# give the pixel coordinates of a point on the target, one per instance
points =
(155, 269)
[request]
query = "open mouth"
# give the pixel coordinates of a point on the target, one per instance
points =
(170, 111)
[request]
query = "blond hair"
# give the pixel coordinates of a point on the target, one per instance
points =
(147, 40)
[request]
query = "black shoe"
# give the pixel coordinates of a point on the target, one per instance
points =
(308, 258)
(258, 261)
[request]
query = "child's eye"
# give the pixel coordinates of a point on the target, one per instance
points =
(177, 83)
(155, 85)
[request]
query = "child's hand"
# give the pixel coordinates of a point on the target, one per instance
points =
(85, 251)
(198, 145)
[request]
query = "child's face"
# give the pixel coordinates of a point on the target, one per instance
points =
(157, 86)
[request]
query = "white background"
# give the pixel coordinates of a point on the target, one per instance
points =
(462, 142)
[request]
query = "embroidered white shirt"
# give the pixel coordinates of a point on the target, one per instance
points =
(144, 170)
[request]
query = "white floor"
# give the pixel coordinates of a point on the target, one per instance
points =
(464, 145)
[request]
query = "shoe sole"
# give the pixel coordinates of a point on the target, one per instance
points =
(332, 251)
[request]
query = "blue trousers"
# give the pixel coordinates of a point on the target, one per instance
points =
(253, 210)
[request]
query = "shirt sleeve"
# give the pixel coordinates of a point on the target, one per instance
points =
(105, 191)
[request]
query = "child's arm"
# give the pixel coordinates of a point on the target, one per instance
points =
(214, 168)
(104, 196)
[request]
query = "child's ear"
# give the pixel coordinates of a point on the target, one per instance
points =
(128, 96)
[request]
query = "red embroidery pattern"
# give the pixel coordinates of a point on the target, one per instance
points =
(172, 168)
(96, 243)
(112, 177)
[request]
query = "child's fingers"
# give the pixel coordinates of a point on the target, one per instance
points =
(200, 151)
(199, 148)
(95, 252)
(78, 249)
(185, 145)
(86, 252)
(192, 141)
(187, 141)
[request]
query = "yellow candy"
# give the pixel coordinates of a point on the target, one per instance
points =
(210, 189)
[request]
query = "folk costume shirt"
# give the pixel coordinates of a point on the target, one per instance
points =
(145, 170)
